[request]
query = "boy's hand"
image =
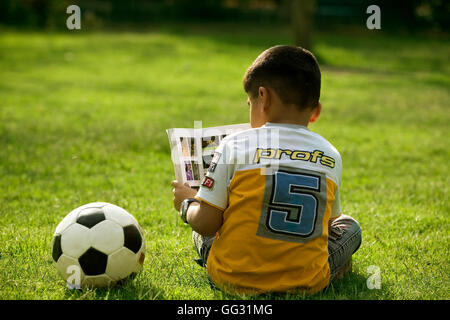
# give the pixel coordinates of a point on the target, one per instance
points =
(181, 192)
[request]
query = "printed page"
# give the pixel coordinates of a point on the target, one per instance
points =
(193, 149)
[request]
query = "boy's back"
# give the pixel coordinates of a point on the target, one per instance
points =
(271, 194)
(275, 221)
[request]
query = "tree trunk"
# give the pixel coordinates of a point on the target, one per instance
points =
(302, 13)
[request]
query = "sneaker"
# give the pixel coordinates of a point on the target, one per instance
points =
(346, 268)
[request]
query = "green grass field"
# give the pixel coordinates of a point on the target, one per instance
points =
(83, 119)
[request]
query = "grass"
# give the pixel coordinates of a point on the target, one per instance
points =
(83, 119)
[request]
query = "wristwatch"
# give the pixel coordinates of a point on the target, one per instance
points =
(184, 207)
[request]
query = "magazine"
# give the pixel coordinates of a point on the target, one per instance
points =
(193, 149)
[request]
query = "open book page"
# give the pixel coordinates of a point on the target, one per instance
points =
(193, 149)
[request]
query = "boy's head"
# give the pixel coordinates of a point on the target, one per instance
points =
(283, 83)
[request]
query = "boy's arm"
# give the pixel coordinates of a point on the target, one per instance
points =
(206, 217)
(202, 217)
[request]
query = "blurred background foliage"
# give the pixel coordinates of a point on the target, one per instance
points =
(405, 16)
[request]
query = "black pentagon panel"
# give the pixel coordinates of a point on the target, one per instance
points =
(56, 247)
(133, 239)
(93, 262)
(89, 217)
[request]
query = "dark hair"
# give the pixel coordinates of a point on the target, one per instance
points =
(292, 72)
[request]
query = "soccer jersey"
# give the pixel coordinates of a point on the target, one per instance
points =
(278, 186)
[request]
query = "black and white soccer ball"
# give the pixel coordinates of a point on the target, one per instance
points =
(98, 245)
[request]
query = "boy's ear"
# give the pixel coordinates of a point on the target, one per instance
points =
(316, 113)
(264, 96)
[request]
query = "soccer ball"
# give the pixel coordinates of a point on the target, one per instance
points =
(98, 245)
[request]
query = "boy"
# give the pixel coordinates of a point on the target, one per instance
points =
(273, 223)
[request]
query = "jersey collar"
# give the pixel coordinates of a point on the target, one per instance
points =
(285, 125)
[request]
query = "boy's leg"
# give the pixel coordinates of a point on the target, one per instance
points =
(344, 238)
(202, 245)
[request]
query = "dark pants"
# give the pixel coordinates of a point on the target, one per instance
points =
(344, 238)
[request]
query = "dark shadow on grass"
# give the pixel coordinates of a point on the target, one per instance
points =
(404, 52)
(351, 287)
(126, 290)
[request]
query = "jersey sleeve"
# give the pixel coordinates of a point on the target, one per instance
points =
(214, 187)
(336, 207)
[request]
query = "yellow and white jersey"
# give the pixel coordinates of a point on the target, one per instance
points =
(278, 186)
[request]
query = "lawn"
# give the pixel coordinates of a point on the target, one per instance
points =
(83, 119)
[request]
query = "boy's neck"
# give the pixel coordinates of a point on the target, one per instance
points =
(288, 114)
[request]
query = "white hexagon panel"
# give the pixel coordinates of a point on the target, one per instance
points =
(97, 281)
(75, 240)
(119, 215)
(122, 264)
(107, 236)
(63, 264)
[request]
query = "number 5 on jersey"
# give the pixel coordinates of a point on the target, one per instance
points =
(294, 203)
